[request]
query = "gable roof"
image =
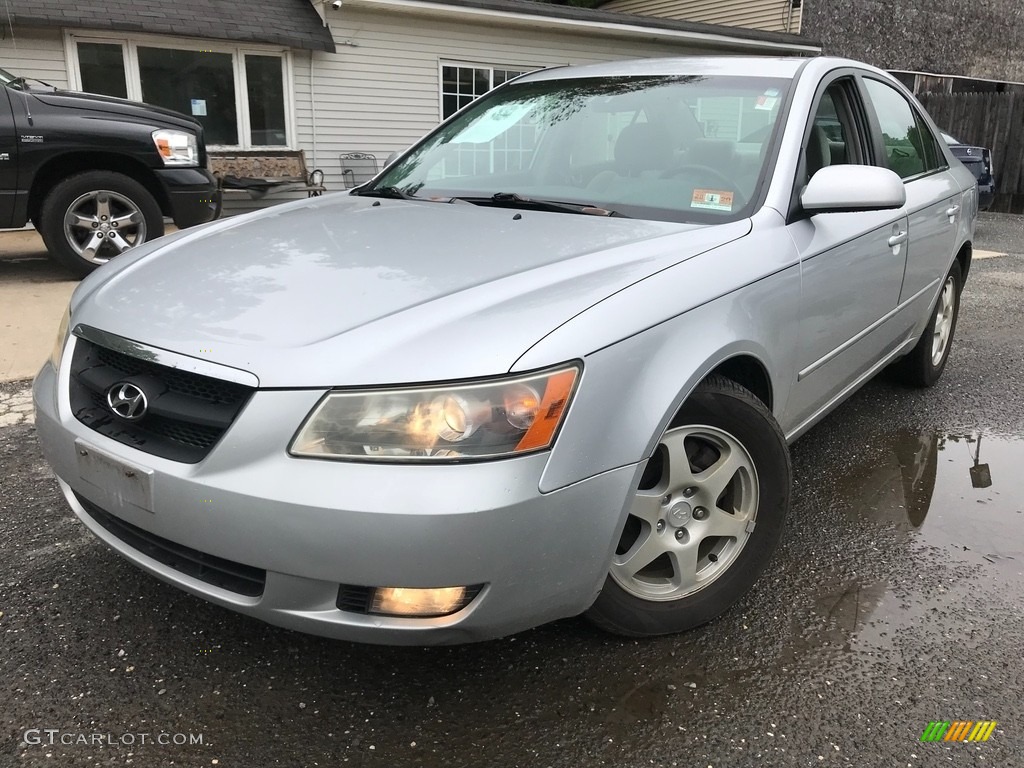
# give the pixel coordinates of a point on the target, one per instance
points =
(294, 23)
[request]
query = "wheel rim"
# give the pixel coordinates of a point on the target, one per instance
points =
(943, 321)
(101, 224)
(693, 514)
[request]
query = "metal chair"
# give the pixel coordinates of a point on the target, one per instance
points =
(357, 168)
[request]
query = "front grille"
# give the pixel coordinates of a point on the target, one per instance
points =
(354, 599)
(187, 412)
(226, 574)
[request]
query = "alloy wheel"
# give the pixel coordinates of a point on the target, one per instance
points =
(691, 517)
(944, 321)
(101, 224)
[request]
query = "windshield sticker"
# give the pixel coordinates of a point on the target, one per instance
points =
(766, 102)
(712, 199)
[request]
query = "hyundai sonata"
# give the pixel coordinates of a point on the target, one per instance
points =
(548, 362)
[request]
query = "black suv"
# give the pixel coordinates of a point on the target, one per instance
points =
(979, 161)
(97, 175)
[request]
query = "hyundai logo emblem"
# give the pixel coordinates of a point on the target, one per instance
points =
(127, 401)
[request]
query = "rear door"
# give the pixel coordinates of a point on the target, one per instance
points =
(8, 159)
(909, 148)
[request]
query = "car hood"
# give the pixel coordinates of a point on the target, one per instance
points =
(349, 290)
(112, 105)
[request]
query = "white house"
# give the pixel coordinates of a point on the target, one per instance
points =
(329, 77)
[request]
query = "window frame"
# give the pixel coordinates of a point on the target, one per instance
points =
(882, 155)
(130, 44)
(862, 136)
(442, 63)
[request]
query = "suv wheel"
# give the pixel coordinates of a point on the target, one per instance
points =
(89, 218)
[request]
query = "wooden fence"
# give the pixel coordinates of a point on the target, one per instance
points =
(993, 120)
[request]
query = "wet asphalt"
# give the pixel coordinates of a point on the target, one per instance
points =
(895, 600)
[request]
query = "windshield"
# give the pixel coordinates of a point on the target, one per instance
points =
(676, 148)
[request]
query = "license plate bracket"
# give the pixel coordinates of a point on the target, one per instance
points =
(121, 481)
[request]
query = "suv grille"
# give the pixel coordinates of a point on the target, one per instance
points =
(187, 412)
(226, 574)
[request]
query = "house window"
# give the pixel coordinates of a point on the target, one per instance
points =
(102, 68)
(511, 151)
(240, 97)
(461, 83)
(194, 82)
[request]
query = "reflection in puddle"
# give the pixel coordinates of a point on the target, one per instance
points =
(952, 491)
(955, 501)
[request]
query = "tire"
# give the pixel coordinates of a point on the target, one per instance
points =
(73, 226)
(688, 551)
(926, 362)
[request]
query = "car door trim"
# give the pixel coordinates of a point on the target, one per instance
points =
(857, 383)
(850, 342)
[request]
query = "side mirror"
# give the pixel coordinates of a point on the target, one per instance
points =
(391, 158)
(844, 188)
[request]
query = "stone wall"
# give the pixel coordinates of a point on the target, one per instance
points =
(980, 38)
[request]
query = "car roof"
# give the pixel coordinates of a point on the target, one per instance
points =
(760, 66)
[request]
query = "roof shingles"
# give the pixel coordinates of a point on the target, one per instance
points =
(293, 23)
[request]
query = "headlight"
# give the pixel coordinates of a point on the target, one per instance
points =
(176, 147)
(61, 340)
(441, 423)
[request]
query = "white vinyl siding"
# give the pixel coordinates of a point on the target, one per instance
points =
(768, 15)
(382, 90)
(35, 53)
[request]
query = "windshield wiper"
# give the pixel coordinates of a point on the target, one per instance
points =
(515, 200)
(390, 192)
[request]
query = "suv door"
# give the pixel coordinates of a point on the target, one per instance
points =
(909, 148)
(851, 264)
(8, 160)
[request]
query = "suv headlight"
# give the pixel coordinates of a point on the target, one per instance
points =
(445, 423)
(176, 147)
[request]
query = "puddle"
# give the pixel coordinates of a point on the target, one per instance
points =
(960, 494)
(935, 522)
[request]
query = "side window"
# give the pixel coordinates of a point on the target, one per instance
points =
(906, 147)
(933, 157)
(831, 138)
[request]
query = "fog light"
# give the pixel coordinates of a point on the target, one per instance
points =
(403, 601)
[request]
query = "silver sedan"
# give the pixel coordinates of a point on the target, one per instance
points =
(548, 362)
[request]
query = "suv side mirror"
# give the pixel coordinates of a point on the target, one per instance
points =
(844, 188)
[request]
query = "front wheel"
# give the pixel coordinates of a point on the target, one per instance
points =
(90, 217)
(705, 519)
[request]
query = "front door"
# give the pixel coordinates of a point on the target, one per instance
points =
(8, 160)
(852, 264)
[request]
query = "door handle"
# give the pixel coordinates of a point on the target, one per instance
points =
(897, 239)
(952, 211)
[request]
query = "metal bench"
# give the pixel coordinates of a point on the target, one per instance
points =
(258, 173)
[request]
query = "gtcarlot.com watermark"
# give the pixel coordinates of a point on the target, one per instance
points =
(56, 737)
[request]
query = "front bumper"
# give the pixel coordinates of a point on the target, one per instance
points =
(192, 195)
(315, 525)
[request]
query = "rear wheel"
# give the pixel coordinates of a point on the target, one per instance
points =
(704, 522)
(89, 218)
(926, 362)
